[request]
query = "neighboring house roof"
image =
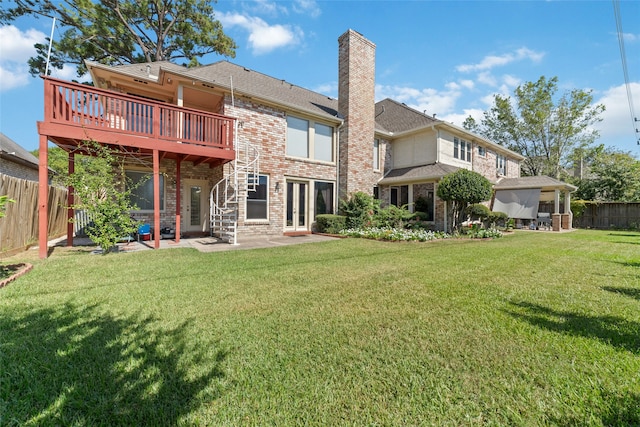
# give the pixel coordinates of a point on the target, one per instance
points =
(10, 150)
(546, 183)
(417, 173)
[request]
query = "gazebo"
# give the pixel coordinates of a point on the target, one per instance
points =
(520, 198)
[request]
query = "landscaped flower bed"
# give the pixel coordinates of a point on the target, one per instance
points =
(394, 234)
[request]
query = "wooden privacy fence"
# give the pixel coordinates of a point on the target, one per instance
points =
(19, 227)
(610, 215)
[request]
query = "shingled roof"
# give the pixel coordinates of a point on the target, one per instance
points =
(11, 150)
(544, 182)
(396, 117)
(245, 81)
(417, 173)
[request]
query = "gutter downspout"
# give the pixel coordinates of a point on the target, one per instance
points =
(433, 127)
(337, 198)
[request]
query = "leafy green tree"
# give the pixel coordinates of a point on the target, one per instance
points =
(611, 175)
(116, 32)
(544, 128)
(101, 190)
(462, 188)
(58, 160)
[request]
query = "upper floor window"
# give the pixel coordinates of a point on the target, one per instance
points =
(501, 164)
(309, 140)
(482, 151)
(376, 154)
(462, 149)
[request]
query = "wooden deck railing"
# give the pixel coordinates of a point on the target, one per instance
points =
(89, 107)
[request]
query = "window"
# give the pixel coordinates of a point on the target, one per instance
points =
(140, 184)
(297, 137)
(309, 140)
(482, 151)
(323, 197)
(462, 149)
(257, 206)
(400, 195)
(323, 143)
(425, 204)
(376, 154)
(501, 164)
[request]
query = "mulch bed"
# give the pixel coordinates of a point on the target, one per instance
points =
(11, 272)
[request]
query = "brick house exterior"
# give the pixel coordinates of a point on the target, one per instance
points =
(313, 150)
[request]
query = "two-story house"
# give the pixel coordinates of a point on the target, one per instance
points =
(226, 150)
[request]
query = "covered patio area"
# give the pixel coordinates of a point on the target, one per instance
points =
(520, 199)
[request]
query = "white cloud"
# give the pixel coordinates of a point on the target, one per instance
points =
(631, 38)
(491, 61)
(616, 127)
(16, 47)
(487, 79)
(458, 119)
(329, 89)
(263, 38)
(264, 7)
(307, 7)
(430, 101)
(69, 72)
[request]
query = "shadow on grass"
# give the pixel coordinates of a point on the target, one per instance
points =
(612, 330)
(71, 365)
(630, 292)
(620, 410)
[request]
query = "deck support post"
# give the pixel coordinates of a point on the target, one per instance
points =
(178, 206)
(156, 199)
(43, 197)
(70, 201)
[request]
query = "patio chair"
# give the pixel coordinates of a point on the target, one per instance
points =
(544, 219)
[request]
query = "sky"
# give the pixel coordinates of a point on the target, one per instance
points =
(445, 58)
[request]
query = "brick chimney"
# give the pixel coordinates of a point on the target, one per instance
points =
(356, 104)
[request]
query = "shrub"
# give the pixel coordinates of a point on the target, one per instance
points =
(496, 218)
(422, 204)
(420, 216)
(4, 200)
(329, 223)
(478, 211)
(359, 209)
(395, 235)
(578, 207)
(483, 233)
(392, 216)
(462, 188)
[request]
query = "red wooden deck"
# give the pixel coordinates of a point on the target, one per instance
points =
(138, 126)
(75, 112)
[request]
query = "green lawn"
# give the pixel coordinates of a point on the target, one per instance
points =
(531, 329)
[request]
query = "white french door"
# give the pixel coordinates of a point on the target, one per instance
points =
(297, 218)
(196, 205)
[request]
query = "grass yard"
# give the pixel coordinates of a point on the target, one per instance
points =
(533, 329)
